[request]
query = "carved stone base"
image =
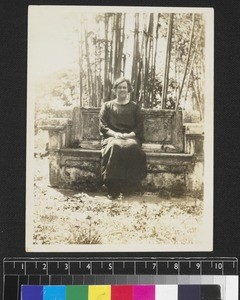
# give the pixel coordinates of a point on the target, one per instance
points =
(173, 172)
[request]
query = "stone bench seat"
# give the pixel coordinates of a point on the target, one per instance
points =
(174, 151)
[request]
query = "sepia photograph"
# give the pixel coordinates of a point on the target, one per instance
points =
(119, 129)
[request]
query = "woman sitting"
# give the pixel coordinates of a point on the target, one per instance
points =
(121, 127)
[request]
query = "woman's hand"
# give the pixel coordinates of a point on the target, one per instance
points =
(125, 136)
(128, 135)
(115, 134)
(118, 135)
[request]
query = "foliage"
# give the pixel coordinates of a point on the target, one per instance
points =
(81, 235)
(162, 54)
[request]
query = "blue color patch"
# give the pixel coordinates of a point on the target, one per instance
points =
(57, 292)
(30, 292)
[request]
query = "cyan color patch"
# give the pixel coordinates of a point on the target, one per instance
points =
(57, 292)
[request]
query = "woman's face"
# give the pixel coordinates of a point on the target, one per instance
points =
(122, 90)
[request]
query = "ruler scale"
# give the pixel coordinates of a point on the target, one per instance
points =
(107, 271)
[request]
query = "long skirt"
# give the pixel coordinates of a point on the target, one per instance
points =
(123, 160)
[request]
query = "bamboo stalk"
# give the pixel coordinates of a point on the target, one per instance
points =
(143, 54)
(117, 39)
(155, 56)
(88, 69)
(80, 52)
(150, 60)
(137, 64)
(135, 50)
(105, 85)
(198, 101)
(121, 31)
(187, 62)
(189, 74)
(147, 60)
(95, 73)
(176, 77)
(200, 95)
(110, 67)
(167, 61)
(99, 84)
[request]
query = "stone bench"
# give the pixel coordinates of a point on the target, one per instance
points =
(174, 151)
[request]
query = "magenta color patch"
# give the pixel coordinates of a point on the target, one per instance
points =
(144, 292)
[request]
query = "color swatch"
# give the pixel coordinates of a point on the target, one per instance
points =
(121, 292)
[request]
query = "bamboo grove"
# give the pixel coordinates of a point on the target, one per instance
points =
(162, 55)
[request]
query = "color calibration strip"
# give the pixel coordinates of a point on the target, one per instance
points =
(122, 292)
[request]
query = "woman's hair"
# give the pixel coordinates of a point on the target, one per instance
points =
(121, 80)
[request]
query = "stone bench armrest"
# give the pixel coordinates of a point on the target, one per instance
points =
(59, 130)
(194, 135)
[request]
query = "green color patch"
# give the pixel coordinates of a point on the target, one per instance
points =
(77, 292)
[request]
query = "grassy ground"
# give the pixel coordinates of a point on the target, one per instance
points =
(70, 217)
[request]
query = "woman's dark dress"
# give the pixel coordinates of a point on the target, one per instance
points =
(122, 159)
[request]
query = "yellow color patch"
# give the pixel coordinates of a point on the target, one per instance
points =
(99, 292)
